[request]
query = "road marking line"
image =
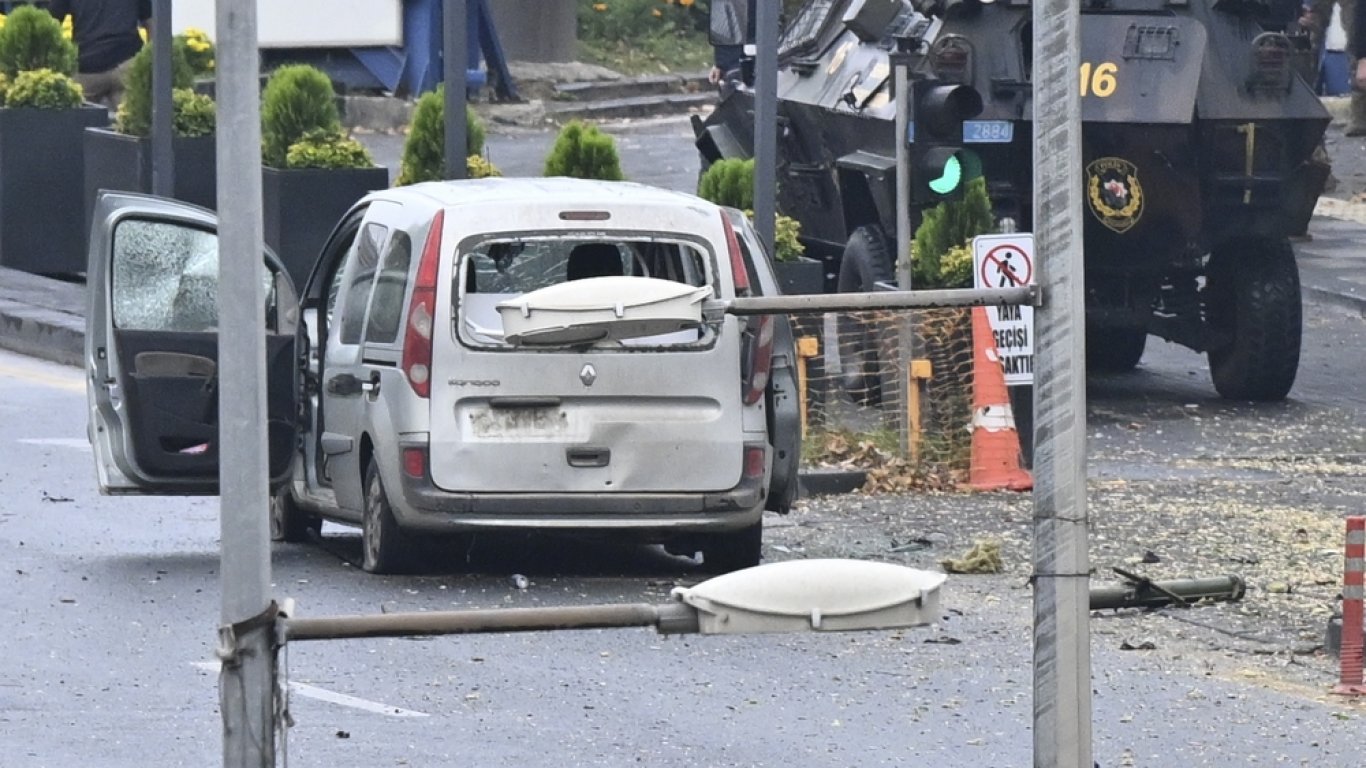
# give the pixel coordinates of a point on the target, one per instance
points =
(79, 443)
(74, 383)
(332, 697)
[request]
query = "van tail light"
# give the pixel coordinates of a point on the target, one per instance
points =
(421, 317)
(755, 460)
(737, 261)
(415, 462)
(758, 357)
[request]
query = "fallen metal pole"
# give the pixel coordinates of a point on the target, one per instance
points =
(1155, 594)
(854, 302)
(668, 618)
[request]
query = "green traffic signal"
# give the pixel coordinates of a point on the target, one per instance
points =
(949, 178)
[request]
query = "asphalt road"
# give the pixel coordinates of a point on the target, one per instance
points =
(111, 603)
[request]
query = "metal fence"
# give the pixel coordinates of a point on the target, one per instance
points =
(888, 392)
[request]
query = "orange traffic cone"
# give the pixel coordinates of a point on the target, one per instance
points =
(995, 463)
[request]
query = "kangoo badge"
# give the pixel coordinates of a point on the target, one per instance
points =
(1113, 191)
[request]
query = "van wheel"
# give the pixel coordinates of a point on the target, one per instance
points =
(1253, 304)
(733, 550)
(867, 260)
(385, 548)
(288, 522)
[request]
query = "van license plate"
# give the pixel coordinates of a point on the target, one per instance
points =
(518, 423)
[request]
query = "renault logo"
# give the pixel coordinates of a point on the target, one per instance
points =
(588, 375)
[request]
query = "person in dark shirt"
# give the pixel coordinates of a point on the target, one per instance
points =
(107, 38)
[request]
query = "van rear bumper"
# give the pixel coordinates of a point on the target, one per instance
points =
(426, 507)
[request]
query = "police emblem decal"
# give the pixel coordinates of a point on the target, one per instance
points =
(1113, 192)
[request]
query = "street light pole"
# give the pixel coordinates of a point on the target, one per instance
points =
(454, 45)
(1062, 654)
(163, 106)
(246, 642)
(765, 119)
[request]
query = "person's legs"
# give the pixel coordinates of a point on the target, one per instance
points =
(96, 87)
(118, 76)
(1356, 119)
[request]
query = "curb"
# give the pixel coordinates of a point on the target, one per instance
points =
(42, 333)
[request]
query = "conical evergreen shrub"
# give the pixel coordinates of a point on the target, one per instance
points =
(32, 39)
(298, 99)
(424, 151)
(584, 152)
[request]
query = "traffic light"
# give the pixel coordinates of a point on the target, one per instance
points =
(939, 164)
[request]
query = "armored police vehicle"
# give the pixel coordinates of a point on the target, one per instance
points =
(1198, 145)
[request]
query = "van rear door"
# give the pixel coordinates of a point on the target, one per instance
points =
(636, 415)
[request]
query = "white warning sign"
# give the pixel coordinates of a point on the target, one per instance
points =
(1007, 261)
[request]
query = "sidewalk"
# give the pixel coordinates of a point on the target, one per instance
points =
(45, 318)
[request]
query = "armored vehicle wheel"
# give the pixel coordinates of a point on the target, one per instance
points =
(1254, 311)
(1114, 350)
(867, 261)
(288, 522)
(733, 550)
(384, 547)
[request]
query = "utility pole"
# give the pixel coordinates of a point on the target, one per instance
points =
(163, 106)
(246, 641)
(454, 53)
(1062, 652)
(765, 119)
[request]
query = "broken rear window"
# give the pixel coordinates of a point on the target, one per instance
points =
(494, 270)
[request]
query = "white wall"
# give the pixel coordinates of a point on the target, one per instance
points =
(307, 23)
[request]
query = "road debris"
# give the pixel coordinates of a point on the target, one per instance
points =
(983, 557)
(1142, 592)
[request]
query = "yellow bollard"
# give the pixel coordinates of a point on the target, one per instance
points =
(918, 372)
(807, 348)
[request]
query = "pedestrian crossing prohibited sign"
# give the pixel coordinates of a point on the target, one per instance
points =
(1007, 261)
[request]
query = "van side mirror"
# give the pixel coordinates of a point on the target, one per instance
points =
(730, 22)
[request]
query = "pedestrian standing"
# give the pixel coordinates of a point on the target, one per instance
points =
(107, 36)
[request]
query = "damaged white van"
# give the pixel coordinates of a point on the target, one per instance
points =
(484, 355)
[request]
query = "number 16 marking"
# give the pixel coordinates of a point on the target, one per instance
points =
(1098, 79)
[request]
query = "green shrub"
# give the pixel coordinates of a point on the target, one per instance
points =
(478, 167)
(633, 20)
(584, 152)
(424, 151)
(194, 113)
(198, 49)
(4, 87)
(729, 182)
(950, 224)
(324, 148)
(32, 39)
(135, 111)
(43, 89)
(298, 98)
(786, 245)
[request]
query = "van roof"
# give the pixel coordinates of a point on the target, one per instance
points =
(577, 192)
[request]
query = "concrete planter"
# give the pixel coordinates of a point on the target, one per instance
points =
(118, 161)
(801, 276)
(42, 219)
(302, 205)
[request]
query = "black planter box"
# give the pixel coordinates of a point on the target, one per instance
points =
(302, 205)
(801, 276)
(42, 220)
(118, 161)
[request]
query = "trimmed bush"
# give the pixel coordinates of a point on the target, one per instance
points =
(198, 49)
(786, 246)
(298, 99)
(135, 111)
(424, 151)
(32, 39)
(729, 182)
(194, 113)
(4, 87)
(43, 89)
(584, 152)
(323, 148)
(477, 167)
(945, 226)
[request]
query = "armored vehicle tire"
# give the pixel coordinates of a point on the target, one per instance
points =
(384, 547)
(733, 550)
(1114, 350)
(867, 260)
(288, 522)
(1254, 307)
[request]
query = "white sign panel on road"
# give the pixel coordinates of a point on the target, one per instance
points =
(1007, 261)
